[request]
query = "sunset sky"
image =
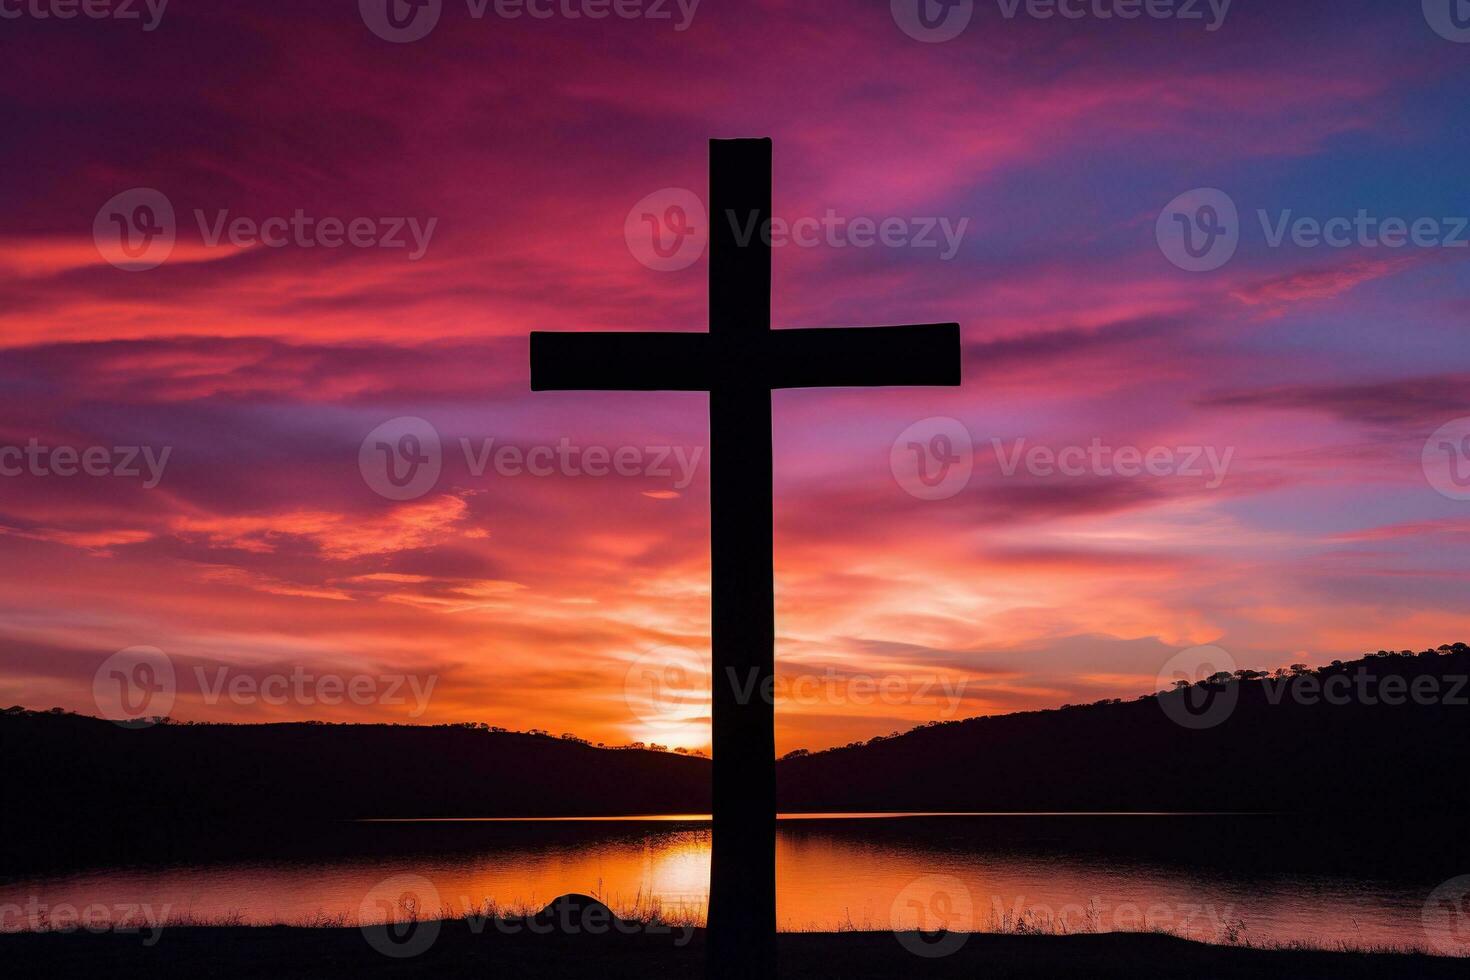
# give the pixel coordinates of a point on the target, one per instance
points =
(531, 600)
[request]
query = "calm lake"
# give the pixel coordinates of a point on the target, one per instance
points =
(1215, 878)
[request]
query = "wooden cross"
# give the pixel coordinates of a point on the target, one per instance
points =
(739, 361)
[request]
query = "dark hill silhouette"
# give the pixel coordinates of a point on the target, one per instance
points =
(81, 789)
(335, 770)
(1282, 748)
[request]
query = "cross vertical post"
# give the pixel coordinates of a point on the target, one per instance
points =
(742, 894)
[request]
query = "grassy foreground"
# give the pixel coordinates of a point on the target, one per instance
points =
(279, 952)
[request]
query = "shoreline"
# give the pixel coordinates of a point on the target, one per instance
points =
(454, 949)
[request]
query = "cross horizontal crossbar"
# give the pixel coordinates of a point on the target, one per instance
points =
(830, 357)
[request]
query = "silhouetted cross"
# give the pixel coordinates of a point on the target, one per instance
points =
(739, 361)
